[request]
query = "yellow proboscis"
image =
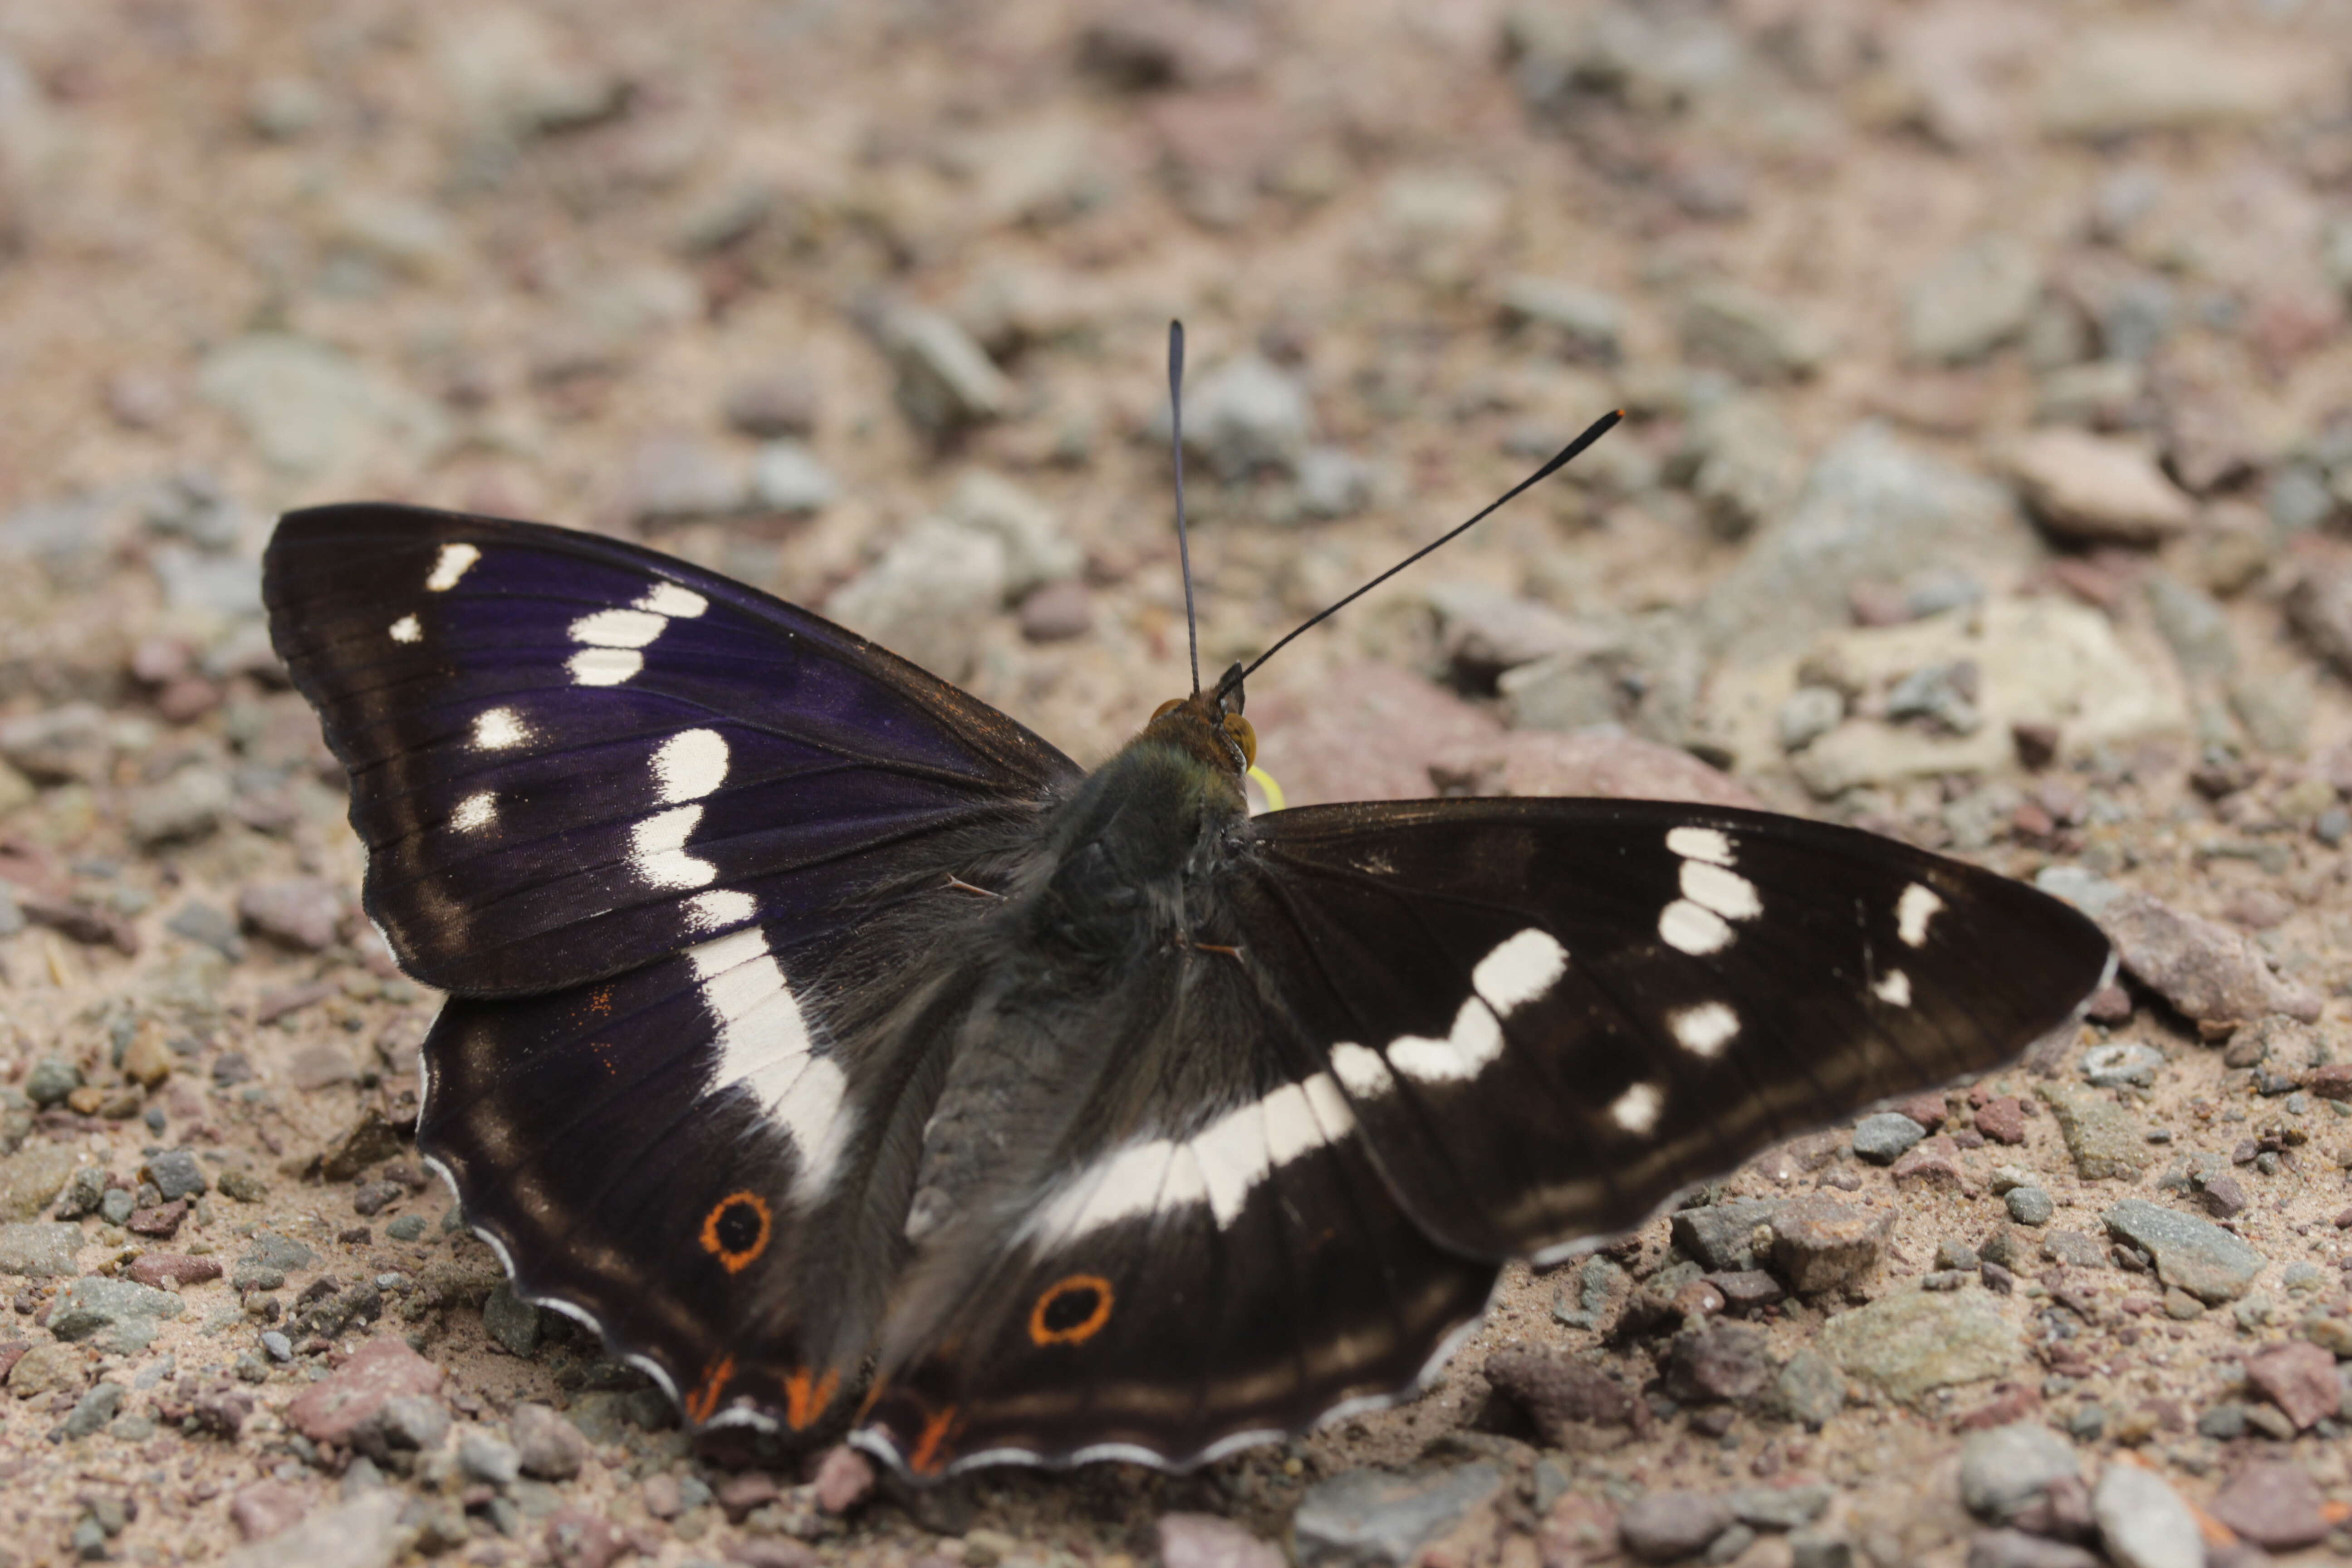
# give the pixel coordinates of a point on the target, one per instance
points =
(1265, 782)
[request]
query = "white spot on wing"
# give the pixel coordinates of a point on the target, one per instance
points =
(1521, 970)
(475, 811)
(765, 1046)
(669, 599)
(1476, 1040)
(1705, 1029)
(604, 665)
(1912, 911)
(1361, 1070)
(1727, 893)
(1234, 1157)
(618, 628)
(454, 562)
(690, 764)
(1693, 930)
(657, 850)
(1636, 1110)
(407, 629)
(1894, 988)
(1709, 844)
(719, 906)
(496, 728)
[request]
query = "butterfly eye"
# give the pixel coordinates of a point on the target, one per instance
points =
(1245, 736)
(1168, 707)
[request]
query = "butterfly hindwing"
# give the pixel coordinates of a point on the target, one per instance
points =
(1550, 1015)
(1192, 1270)
(569, 755)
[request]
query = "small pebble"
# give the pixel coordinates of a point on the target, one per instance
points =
(1880, 1139)
(2031, 1206)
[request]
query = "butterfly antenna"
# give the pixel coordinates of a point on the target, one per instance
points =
(1599, 427)
(1176, 439)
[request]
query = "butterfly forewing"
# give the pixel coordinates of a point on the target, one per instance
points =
(568, 756)
(1549, 1014)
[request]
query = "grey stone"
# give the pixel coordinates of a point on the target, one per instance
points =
(2031, 1206)
(215, 588)
(186, 806)
(1371, 1519)
(2319, 607)
(487, 1458)
(929, 596)
(51, 1080)
(265, 1264)
(200, 922)
(1333, 482)
(114, 1205)
(1746, 467)
(1810, 712)
(72, 743)
(2104, 1142)
(39, 1251)
(1882, 1138)
(1037, 550)
(2016, 1548)
(1971, 301)
(774, 406)
(2275, 707)
(1870, 508)
(1808, 1389)
(2103, 395)
(1939, 693)
(1911, 1343)
(1781, 1508)
(113, 1314)
(2190, 1253)
(2142, 1520)
(2194, 625)
(1587, 322)
(2003, 1469)
(174, 1174)
(98, 1404)
(1248, 415)
(31, 1179)
(786, 478)
(2079, 886)
(1723, 1236)
(2120, 1062)
(280, 1348)
(512, 1320)
(311, 412)
(414, 1423)
(407, 1228)
(2209, 972)
(945, 381)
(1752, 335)
(364, 1532)
(547, 1448)
(1665, 1527)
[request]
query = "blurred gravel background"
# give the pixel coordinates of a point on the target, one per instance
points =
(1988, 482)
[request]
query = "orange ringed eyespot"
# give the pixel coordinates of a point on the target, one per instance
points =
(736, 1229)
(1070, 1312)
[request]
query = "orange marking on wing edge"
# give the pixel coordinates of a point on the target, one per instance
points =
(804, 1400)
(1042, 1334)
(702, 1401)
(927, 1459)
(735, 1262)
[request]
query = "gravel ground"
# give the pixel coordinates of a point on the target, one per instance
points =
(1988, 482)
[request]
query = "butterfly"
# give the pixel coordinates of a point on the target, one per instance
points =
(855, 1061)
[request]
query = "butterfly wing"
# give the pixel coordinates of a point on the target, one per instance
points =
(1547, 1016)
(681, 852)
(1210, 1259)
(569, 755)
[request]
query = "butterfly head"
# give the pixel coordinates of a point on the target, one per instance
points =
(1210, 725)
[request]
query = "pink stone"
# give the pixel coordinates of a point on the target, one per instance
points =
(2300, 1379)
(1364, 731)
(1206, 1541)
(1616, 767)
(844, 1479)
(155, 1268)
(264, 1508)
(330, 1411)
(2273, 1504)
